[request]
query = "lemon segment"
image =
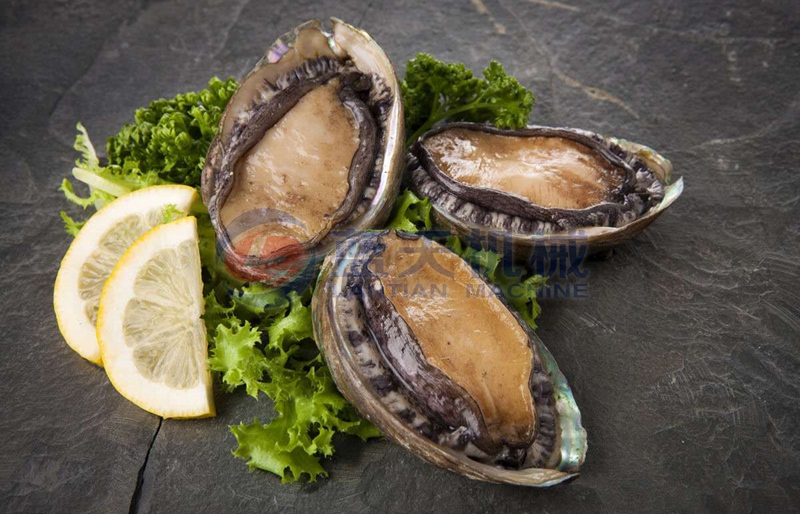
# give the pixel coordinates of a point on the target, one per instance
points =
(94, 252)
(149, 327)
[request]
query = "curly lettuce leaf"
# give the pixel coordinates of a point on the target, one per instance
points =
(264, 446)
(95, 195)
(216, 313)
(70, 225)
(85, 147)
(170, 213)
(434, 91)
(410, 213)
(273, 358)
(285, 332)
(259, 300)
(170, 138)
(235, 356)
(310, 412)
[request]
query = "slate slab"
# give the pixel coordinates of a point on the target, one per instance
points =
(684, 358)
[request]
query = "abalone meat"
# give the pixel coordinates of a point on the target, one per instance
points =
(424, 347)
(540, 183)
(310, 144)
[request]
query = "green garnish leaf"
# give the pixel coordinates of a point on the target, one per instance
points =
(434, 91)
(84, 145)
(170, 138)
(216, 313)
(294, 327)
(94, 196)
(410, 213)
(70, 225)
(171, 213)
(522, 296)
(263, 446)
(274, 359)
(261, 301)
(235, 356)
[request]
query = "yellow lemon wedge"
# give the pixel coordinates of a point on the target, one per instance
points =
(152, 338)
(97, 248)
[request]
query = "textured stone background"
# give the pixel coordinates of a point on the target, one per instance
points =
(685, 358)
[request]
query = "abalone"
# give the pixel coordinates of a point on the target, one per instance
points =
(431, 354)
(309, 145)
(540, 183)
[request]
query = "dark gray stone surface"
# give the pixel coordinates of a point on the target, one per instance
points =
(685, 358)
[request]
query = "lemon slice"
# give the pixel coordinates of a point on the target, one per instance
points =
(152, 339)
(94, 252)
